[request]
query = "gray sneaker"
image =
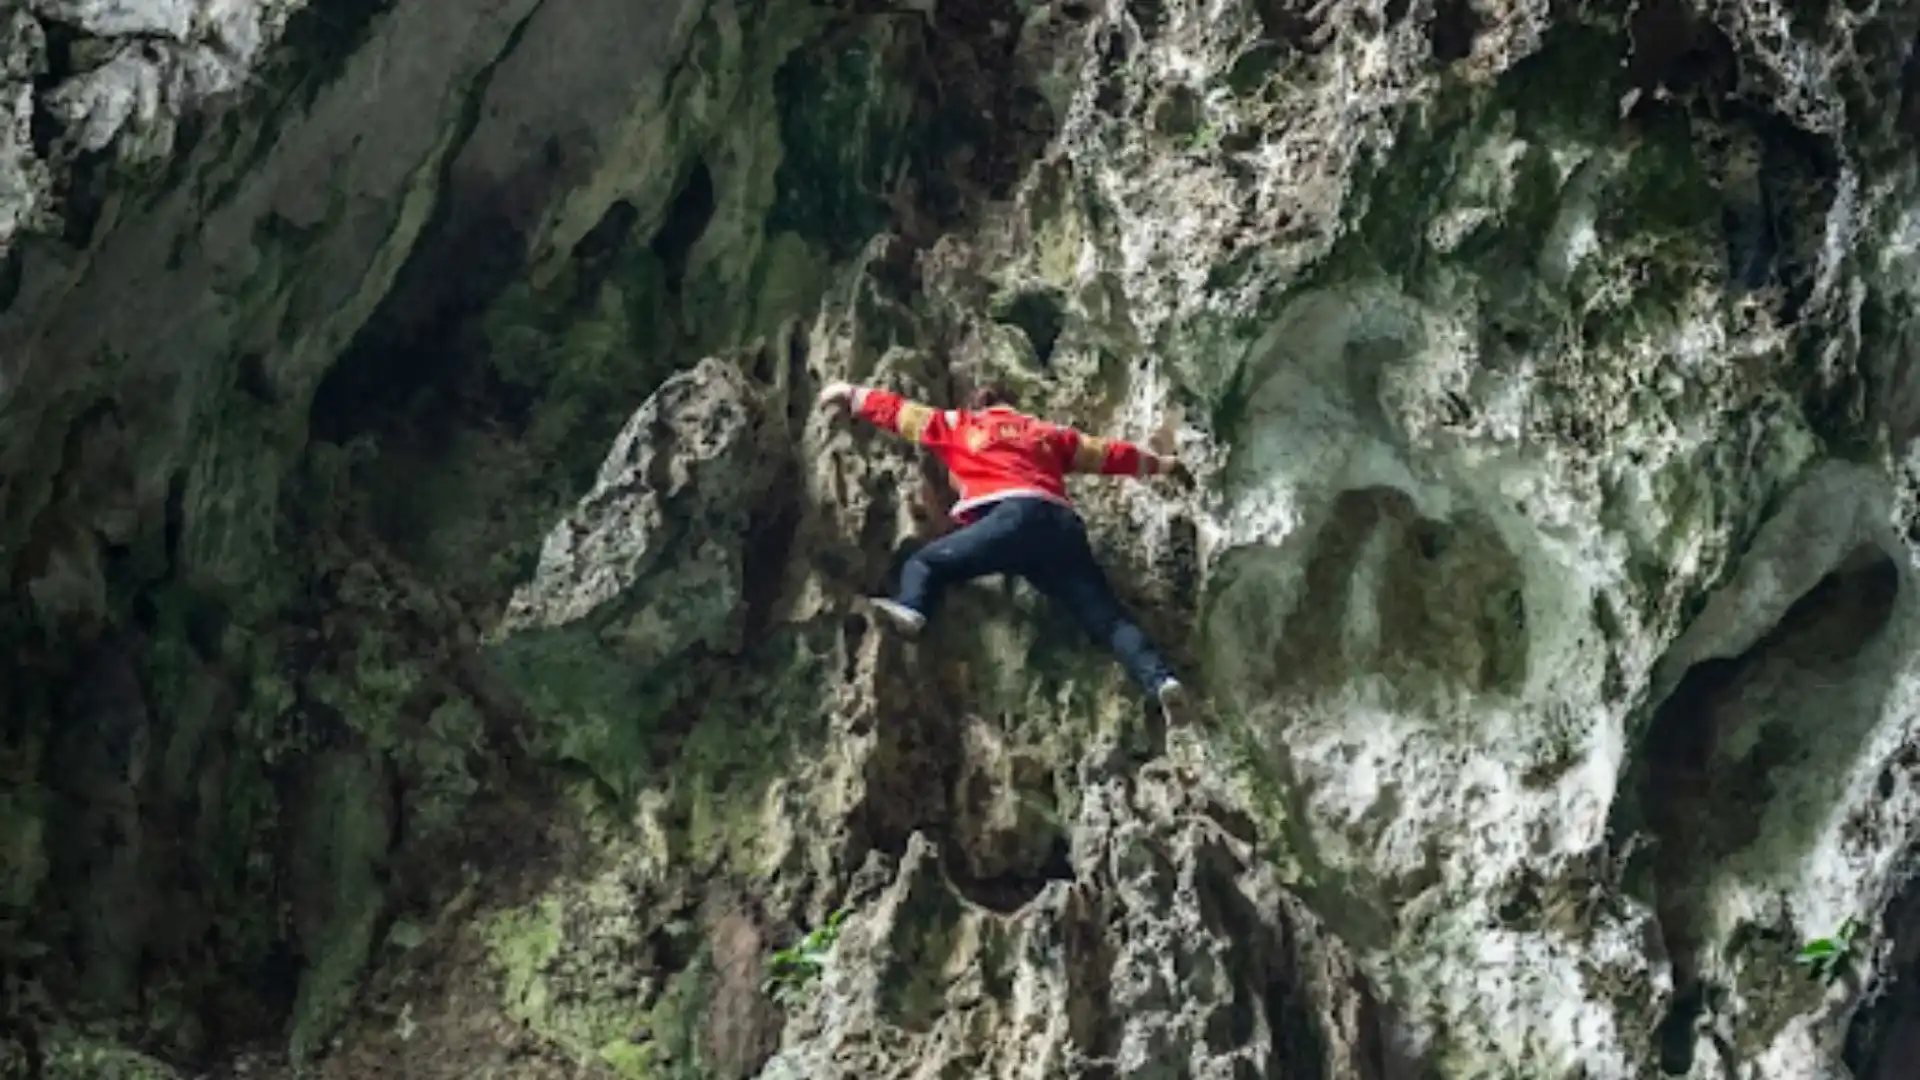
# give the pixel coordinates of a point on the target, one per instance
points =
(902, 618)
(1174, 701)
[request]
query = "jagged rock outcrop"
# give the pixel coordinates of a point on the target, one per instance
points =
(1170, 951)
(88, 85)
(433, 597)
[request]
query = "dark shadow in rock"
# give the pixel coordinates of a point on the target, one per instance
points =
(775, 526)
(418, 351)
(686, 222)
(1013, 888)
(1676, 50)
(95, 763)
(1149, 15)
(43, 125)
(596, 255)
(1090, 956)
(996, 829)
(1293, 980)
(1883, 1037)
(1776, 232)
(972, 71)
(910, 773)
(1454, 29)
(1252, 69)
(1715, 749)
(11, 274)
(1675, 1038)
(1040, 315)
(1298, 24)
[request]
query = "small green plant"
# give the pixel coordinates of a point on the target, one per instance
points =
(790, 970)
(1825, 958)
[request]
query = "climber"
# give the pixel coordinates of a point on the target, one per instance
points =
(1015, 516)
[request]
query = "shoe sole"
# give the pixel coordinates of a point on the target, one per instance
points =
(893, 617)
(1174, 705)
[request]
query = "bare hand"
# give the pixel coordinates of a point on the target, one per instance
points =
(836, 395)
(1176, 470)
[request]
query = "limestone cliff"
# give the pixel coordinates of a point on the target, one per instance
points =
(430, 609)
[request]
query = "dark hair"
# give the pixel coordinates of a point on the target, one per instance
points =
(986, 397)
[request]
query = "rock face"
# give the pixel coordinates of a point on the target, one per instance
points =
(433, 599)
(88, 82)
(1169, 951)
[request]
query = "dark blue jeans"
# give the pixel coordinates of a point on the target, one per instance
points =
(1045, 543)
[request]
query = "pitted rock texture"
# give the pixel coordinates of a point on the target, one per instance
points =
(90, 84)
(671, 502)
(1172, 951)
(435, 599)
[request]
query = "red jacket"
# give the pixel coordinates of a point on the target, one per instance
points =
(997, 453)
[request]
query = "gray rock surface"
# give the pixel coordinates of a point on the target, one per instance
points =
(122, 79)
(436, 602)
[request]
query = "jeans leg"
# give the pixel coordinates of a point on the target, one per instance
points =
(992, 545)
(1073, 577)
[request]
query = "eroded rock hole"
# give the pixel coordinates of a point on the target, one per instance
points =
(11, 276)
(254, 380)
(1776, 214)
(86, 196)
(1040, 315)
(1675, 1038)
(596, 254)
(1254, 67)
(1111, 95)
(685, 223)
(1675, 50)
(1297, 24)
(1883, 1040)
(1179, 113)
(1454, 29)
(1149, 15)
(43, 127)
(414, 355)
(774, 525)
(1717, 747)
(1015, 887)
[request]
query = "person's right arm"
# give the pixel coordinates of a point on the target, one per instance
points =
(895, 413)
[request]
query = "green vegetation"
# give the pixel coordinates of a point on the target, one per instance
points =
(793, 968)
(1827, 958)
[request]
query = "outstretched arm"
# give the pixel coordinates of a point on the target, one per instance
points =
(1113, 457)
(893, 413)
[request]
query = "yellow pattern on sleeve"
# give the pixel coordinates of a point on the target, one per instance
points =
(913, 420)
(1090, 455)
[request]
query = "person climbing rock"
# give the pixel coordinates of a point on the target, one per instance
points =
(1015, 516)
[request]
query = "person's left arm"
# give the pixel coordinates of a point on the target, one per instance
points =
(1086, 453)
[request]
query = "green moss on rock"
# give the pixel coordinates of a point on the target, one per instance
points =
(344, 831)
(83, 1059)
(572, 970)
